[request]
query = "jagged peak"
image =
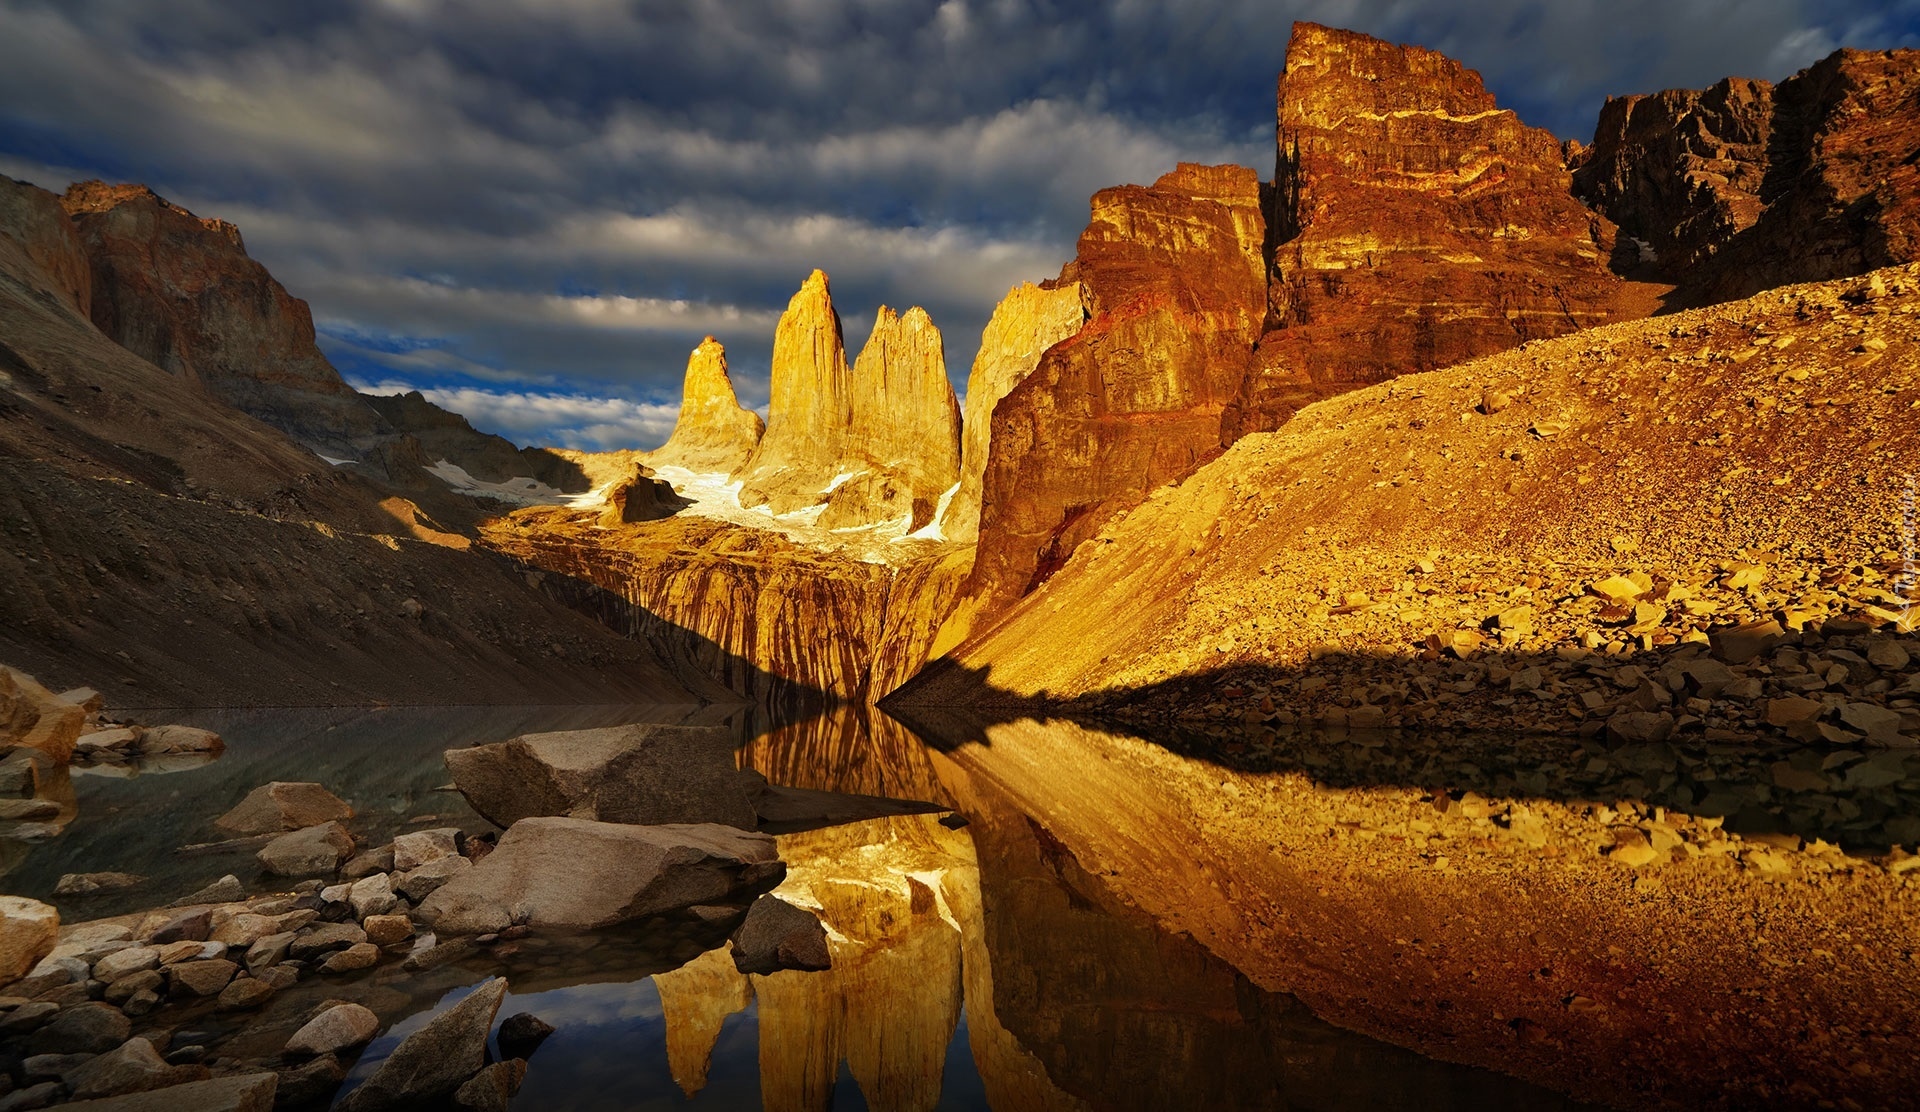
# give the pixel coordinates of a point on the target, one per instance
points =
(98, 197)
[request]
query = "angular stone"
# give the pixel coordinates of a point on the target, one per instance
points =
(361, 955)
(32, 717)
(28, 931)
(244, 993)
(492, 1089)
(201, 978)
(713, 431)
(157, 741)
(425, 880)
(339, 1028)
(386, 930)
(410, 851)
(314, 851)
(227, 889)
(268, 951)
(311, 1085)
(132, 1067)
(120, 963)
(1740, 644)
(82, 1029)
(87, 884)
(369, 862)
(1792, 709)
(521, 1034)
(281, 805)
(1880, 724)
(1631, 727)
(777, 935)
(244, 1092)
(562, 873)
(125, 988)
(188, 926)
(325, 938)
(643, 774)
(436, 1060)
(371, 896)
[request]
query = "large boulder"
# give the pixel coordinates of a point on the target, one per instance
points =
(283, 805)
(777, 935)
(241, 1092)
(338, 1028)
(314, 851)
(28, 930)
(431, 1063)
(573, 874)
(640, 774)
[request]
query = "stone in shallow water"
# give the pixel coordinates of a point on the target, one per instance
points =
(436, 1060)
(410, 851)
(641, 774)
(28, 930)
(314, 851)
(339, 1028)
(281, 805)
(84, 1029)
(777, 935)
(571, 874)
(246, 1092)
(492, 1089)
(522, 1033)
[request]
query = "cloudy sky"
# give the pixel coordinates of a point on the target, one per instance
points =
(535, 210)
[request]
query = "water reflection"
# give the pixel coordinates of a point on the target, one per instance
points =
(1234, 923)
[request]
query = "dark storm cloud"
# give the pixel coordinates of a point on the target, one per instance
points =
(561, 198)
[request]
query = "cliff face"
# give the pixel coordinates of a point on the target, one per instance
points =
(714, 433)
(1750, 187)
(56, 259)
(1028, 321)
(1175, 288)
(809, 410)
(903, 443)
(1416, 224)
(181, 293)
(1679, 171)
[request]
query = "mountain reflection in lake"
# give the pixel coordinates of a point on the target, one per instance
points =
(1134, 924)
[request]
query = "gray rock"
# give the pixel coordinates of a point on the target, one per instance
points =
(371, 896)
(200, 978)
(311, 1085)
(27, 1017)
(777, 935)
(425, 880)
(314, 851)
(131, 985)
(87, 884)
(410, 851)
(492, 1089)
(436, 1060)
(242, 1092)
(271, 950)
(369, 862)
(34, 1096)
(120, 963)
(339, 1028)
(272, 808)
(324, 938)
(40, 1067)
(573, 874)
(642, 774)
(133, 1067)
(227, 889)
(82, 1029)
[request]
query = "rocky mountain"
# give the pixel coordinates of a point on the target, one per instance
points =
(873, 444)
(1490, 545)
(1027, 321)
(1174, 284)
(713, 432)
(165, 543)
(181, 293)
(1415, 224)
(1745, 186)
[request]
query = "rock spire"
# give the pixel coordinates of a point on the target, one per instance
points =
(810, 408)
(713, 433)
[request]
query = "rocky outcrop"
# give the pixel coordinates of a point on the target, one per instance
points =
(638, 497)
(633, 774)
(1750, 187)
(1029, 320)
(1416, 224)
(35, 220)
(901, 453)
(876, 444)
(437, 434)
(281, 806)
(714, 432)
(181, 293)
(810, 407)
(574, 874)
(1174, 281)
(1679, 172)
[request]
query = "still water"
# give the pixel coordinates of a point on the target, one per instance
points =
(1132, 923)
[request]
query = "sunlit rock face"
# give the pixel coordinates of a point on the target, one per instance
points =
(1028, 321)
(1175, 285)
(1743, 187)
(1415, 223)
(876, 443)
(713, 433)
(180, 292)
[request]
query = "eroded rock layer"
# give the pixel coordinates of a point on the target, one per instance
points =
(181, 293)
(1812, 180)
(1417, 224)
(1028, 321)
(1175, 286)
(714, 433)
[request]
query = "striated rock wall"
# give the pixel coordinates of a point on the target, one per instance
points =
(1029, 320)
(1678, 171)
(1175, 287)
(181, 293)
(1416, 224)
(714, 432)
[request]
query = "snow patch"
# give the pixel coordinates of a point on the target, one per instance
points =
(520, 490)
(335, 462)
(931, 531)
